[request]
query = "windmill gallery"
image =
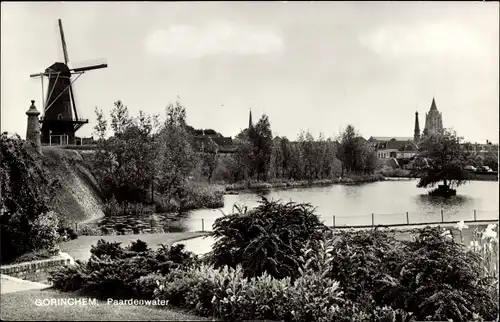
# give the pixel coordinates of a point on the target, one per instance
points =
(60, 120)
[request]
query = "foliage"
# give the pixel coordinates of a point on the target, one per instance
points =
(118, 272)
(26, 193)
(266, 239)
(66, 233)
(210, 158)
(87, 230)
(145, 286)
(145, 161)
(69, 278)
(124, 163)
(441, 158)
(442, 280)
(176, 158)
(355, 153)
(36, 255)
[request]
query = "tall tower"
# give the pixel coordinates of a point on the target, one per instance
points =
(416, 131)
(33, 128)
(433, 121)
(250, 123)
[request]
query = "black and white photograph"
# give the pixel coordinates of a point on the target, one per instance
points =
(299, 161)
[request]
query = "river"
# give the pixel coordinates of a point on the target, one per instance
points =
(389, 201)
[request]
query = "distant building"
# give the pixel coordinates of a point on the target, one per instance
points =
(393, 147)
(433, 121)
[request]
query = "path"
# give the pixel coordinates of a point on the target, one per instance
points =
(9, 284)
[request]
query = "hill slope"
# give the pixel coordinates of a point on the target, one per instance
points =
(79, 198)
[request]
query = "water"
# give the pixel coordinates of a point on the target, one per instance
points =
(353, 204)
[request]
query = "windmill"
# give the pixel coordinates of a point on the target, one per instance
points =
(60, 119)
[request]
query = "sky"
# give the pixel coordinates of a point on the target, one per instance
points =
(315, 66)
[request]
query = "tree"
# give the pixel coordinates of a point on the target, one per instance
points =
(441, 159)
(210, 158)
(124, 163)
(262, 139)
(26, 195)
(241, 162)
(355, 153)
(176, 159)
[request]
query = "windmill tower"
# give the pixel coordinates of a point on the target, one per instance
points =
(60, 119)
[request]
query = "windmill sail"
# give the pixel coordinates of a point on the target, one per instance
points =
(60, 111)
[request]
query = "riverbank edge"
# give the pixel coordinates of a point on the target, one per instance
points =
(264, 185)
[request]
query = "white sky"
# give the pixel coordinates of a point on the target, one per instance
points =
(316, 66)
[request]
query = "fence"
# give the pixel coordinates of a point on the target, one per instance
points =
(372, 220)
(193, 224)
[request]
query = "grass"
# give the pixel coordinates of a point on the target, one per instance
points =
(22, 306)
(79, 248)
(31, 256)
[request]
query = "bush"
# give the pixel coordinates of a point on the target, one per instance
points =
(65, 232)
(226, 293)
(441, 280)
(115, 272)
(69, 278)
(145, 285)
(24, 202)
(43, 233)
(87, 230)
(266, 239)
(198, 195)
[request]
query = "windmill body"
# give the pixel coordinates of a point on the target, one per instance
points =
(60, 120)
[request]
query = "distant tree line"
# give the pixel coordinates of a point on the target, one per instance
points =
(144, 156)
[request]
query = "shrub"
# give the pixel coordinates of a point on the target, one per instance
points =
(365, 263)
(266, 239)
(66, 232)
(26, 195)
(87, 230)
(104, 249)
(197, 195)
(441, 280)
(43, 233)
(115, 272)
(145, 285)
(69, 278)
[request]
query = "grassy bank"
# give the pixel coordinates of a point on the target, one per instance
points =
(401, 173)
(285, 183)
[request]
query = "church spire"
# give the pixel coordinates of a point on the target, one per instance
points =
(416, 132)
(433, 105)
(250, 123)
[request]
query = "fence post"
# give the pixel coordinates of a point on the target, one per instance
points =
(202, 225)
(407, 218)
(474, 214)
(442, 216)
(373, 219)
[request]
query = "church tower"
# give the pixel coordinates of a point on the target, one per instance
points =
(416, 131)
(433, 121)
(250, 123)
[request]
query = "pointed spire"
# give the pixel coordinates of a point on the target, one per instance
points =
(416, 131)
(250, 123)
(433, 105)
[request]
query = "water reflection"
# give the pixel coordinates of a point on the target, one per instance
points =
(356, 203)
